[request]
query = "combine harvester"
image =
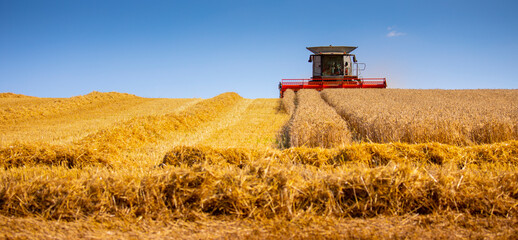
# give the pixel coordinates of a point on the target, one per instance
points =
(333, 67)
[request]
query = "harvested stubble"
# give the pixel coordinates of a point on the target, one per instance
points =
(458, 117)
(365, 154)
(411, 226)
(18, 155)
(189, 156)
(15, 109)
(253, 123)
(61, 127)
(264, 188)
(140, 131)
(106, 145)
(13, 95)
(316, 124)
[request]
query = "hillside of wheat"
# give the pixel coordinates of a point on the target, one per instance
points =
(363, 164)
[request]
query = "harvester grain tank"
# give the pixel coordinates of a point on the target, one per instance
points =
(333, 67)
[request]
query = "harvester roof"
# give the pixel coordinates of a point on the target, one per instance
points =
(331, 49)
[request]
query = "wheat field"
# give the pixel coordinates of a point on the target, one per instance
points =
(420, 164)
(458, 117)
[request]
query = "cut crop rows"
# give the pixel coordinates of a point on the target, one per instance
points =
(314, 123)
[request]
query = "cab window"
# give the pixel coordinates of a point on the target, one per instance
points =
(332, 65)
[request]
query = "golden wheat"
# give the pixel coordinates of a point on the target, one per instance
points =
(459, 117)
(365, 154)
(288, 101)
(140, 131)
(13, 95)
(18, 155)
(316, 124)
(109, 144)
(210, 183)
(252, 124)
(19, 109)
(206, 169)
(63, 129)
(449, 226)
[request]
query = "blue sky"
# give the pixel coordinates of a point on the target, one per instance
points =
(182, 49)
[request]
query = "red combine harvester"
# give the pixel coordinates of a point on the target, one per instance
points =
(333, 67)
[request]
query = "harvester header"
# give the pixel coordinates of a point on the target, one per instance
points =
(333, 67)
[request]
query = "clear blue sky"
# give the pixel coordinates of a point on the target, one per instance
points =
(195, 48)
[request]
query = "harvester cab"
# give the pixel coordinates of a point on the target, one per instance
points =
(333, 62)
(333, 67)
